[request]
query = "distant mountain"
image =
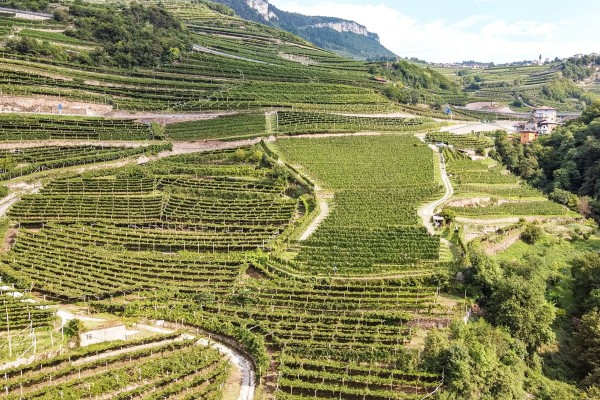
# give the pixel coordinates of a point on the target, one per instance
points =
(344, 37)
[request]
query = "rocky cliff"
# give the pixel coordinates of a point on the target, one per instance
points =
(344, 37)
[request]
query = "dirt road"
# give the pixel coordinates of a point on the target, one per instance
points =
(426, 212)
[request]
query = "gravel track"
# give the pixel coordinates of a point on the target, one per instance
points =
(426, 212)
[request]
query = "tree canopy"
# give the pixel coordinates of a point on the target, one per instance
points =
(567, 160)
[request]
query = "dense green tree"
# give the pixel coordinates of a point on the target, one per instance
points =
(478, 362)
(448, 215)
(531, 234)
(513, 296)
(586, 281)
(520, 305)
(34, 47)
(33, 5)
(138, 34)
(564, 197)
(588, 346)
(568, 159)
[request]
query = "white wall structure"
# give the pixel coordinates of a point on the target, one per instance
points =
(116, 332)
(545, 113)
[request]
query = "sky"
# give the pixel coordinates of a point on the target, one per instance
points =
(482, 30)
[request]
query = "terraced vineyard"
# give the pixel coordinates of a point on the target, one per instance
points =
(463, 170)
(98, 230)
(18, 162)
(526, 81)
(23, 312)
(506, 194)
(25, 320)
(379, 182)
(209, 240)
(19, 127)
(331, 340)
(180, 235)
(511, 209)
(522, 87)
(290, 122)
(229, 127)
(243, 66)
(153, 368)
(469, 141)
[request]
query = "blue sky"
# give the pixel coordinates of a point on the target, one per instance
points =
(483, 30)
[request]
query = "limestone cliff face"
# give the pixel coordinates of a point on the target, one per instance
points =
(262, 8)
(345, 37)
(265, 11)
(344, 26)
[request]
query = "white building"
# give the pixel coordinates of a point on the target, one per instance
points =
(543, 121)
(546, 127)
(547, 114)
(103, 334)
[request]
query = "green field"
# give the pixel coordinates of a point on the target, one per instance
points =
(506, 195)
(373, 226)
(191, 227)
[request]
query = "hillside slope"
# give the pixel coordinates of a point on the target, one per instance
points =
(344, 37)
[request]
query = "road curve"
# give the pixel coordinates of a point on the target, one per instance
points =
(323, 213)
(427, 211)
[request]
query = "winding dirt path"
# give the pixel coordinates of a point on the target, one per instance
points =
(323, 213)
(238, 360)
(17, 191)
(427, 211)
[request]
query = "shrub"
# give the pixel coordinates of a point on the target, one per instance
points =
(531, 234)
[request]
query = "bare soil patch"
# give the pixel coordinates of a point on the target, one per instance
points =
(299, 59)
(9, 240)
(49, 105)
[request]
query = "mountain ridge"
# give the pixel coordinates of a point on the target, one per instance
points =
(342, 36)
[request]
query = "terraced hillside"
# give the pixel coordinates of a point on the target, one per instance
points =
(19, 127)
(285, 221)
(496, 193)
(203, 204)
(253, 125)
(333, 340)
(293, 122)
(244, 66)
(183, 238)
(521, 87)
(373, 227)
(156, 367)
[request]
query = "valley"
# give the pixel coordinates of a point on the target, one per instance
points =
(250, 216)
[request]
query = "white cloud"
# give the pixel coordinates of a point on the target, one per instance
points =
(477, 37)
(519, 29)
(471, 21)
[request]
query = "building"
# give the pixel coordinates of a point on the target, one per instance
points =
(546, 127)
(103, 333)
(528, 137)
(438, 221)
(543, 121)
(548, 114)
